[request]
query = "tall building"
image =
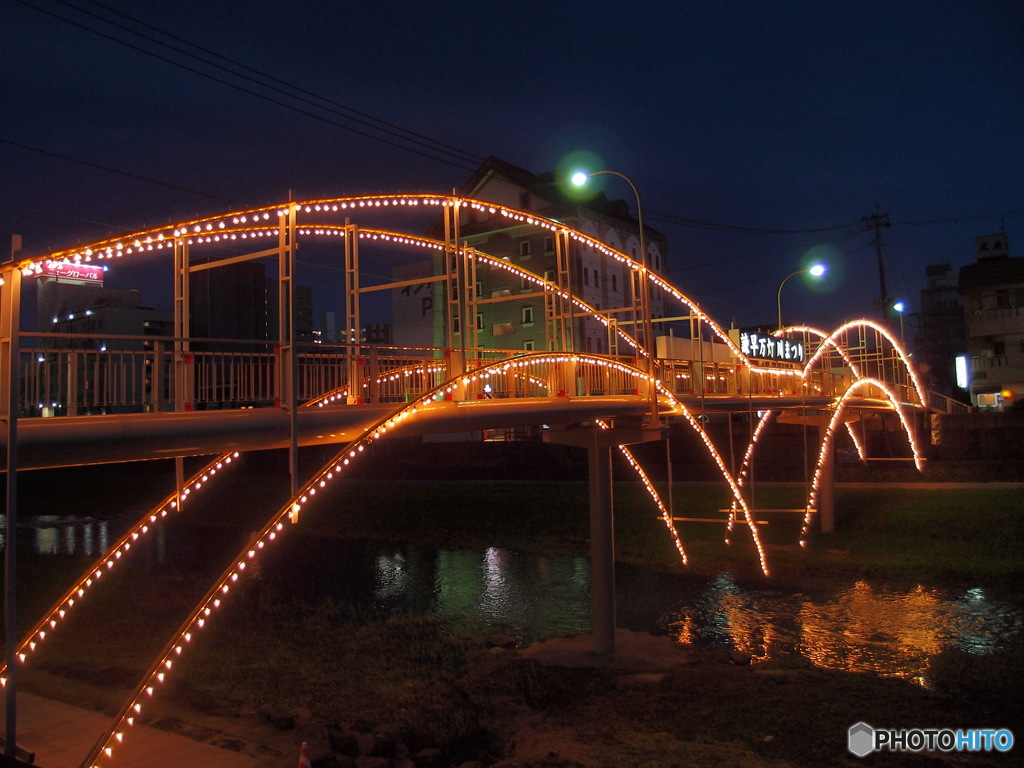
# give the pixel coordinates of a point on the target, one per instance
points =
(993, 296)
(511, 314)
(941, 336)
(97, 320)
(239, 301)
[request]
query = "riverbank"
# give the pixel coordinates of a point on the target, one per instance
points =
(284, 671)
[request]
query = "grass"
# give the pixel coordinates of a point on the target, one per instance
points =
(938, 536)
(439, 687)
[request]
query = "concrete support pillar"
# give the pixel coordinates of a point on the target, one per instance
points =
(602, 548)
(599, 444)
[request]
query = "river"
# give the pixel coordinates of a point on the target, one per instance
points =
(857, 626)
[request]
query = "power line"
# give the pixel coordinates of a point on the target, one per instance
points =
(362, 117)
(51, 214)
(108, 169)
(958, 219)
(208, 76)
(699, 224)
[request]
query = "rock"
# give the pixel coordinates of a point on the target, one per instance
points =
(343, 742)
(375, 744)
(427, 756)
(501, 641)
(302, 716)
(372, 761)
(345, 761)
(283, 722)
(739, 658)
(402, 762)
(641, 680)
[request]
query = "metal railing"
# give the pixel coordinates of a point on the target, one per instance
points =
(77, 375)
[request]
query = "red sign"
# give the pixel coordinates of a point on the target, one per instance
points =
(85, 273)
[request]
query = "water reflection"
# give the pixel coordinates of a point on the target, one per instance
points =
(529, 596)
(859, 628)
(61, 535)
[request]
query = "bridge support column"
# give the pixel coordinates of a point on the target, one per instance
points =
(599, 444)
(10, 398)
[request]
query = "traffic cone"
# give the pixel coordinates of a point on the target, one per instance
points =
(304, 756)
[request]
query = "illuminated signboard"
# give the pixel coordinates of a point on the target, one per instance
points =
(84, 273)
(766, 347)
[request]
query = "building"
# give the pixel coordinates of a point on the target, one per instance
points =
(94, 324)
(941, 334)
(239, 301)
(510, 312)
(993, 295)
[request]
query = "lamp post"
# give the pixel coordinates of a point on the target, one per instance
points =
(579, 179)
(815, 270)
(901, 308)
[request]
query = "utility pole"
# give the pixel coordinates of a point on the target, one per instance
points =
(877, 221)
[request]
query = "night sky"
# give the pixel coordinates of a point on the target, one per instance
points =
(759, 134)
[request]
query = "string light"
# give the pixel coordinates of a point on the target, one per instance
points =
(52, 618)
(260, 223)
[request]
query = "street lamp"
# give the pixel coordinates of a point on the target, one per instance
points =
(815, 270)
(579, 179)
(901, 307)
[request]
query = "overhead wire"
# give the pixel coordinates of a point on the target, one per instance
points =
(429, 148)
(361, 117)
(118, 171)
(299, 110)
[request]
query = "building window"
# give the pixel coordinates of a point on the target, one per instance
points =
(549, 244)
(524, 249)
(549, 275)
(479, 321)
(998, 348)
(479, 288)
(526, 315)
(456, 325)
(615, 282)
(586, 276)
(524, 201)
(528, 346)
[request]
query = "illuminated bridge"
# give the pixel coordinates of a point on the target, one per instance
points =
(131, 398)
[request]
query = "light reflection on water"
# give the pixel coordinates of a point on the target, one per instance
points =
(529, 596)
(62, 535)
(857, 627)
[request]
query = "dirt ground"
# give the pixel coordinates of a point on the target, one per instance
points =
(556, 704)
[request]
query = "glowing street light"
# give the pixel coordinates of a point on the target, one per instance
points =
(815, 270)
(901, 308)
(579, 179)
